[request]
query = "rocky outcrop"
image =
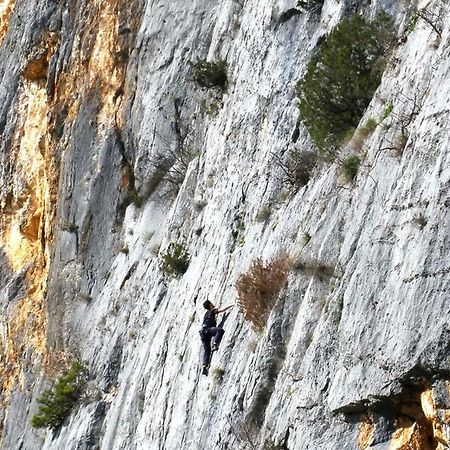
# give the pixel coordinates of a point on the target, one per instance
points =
(110, 153)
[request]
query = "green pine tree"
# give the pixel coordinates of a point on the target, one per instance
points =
(56, 403)
(342, 77)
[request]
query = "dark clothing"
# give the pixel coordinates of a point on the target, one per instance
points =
(208, 334)
(209, 321)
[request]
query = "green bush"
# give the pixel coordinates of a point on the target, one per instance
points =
(342, 77)
(350, 166)
(175, 261)
(210, 74)
(387, 111)
(368, 127)
(412, 24)
(56, 404)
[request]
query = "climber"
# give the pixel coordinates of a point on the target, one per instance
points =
(210, 331)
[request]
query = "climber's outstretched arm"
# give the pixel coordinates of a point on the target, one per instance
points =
(225, 309)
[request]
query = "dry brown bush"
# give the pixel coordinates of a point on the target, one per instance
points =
(258, 289)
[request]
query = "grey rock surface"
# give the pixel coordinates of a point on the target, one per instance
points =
(95, 99)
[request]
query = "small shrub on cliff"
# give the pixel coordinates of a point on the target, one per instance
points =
(362, 133)
(350, 166)
(70, 227)
(314, 268)
(258, 289)
(209, 74)
(175, 261)
(369, 127)
(420, 221)
(387, 111)
(297, 168)
(263, 214)
(342, 77)
(56, 404)
(218, 374)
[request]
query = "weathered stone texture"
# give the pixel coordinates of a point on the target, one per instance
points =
(96, 98)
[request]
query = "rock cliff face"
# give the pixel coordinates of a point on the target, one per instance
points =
(109, 153)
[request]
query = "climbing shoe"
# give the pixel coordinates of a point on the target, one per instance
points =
(215, 347)
(205, 370)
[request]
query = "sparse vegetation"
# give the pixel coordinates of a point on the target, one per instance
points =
(432, 19)
(363, 133)
(124, 249)
(238, 231)
(406, 112)
(56, 404)
(170, 167)
(342, 77)
(210, 74)
(420, 221)
(199, 204)
(136, 198)
(132, 334)
(170, 163)
(290, 391)
(349, 167)
(400, 141)
(218, 374)
(282, 196)
(70, 227)
(368, 127)
(387, 111)
(84, 296)
(263, 214)
(432, 13)
(211, 107)
(314, 268)
(297, 168)
(306, 237)
(412, 24)
(310, 5)
(175, 261)
(259, 287)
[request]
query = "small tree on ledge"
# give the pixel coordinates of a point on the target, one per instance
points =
(56, 403)
(175, 261)
(210, 74)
